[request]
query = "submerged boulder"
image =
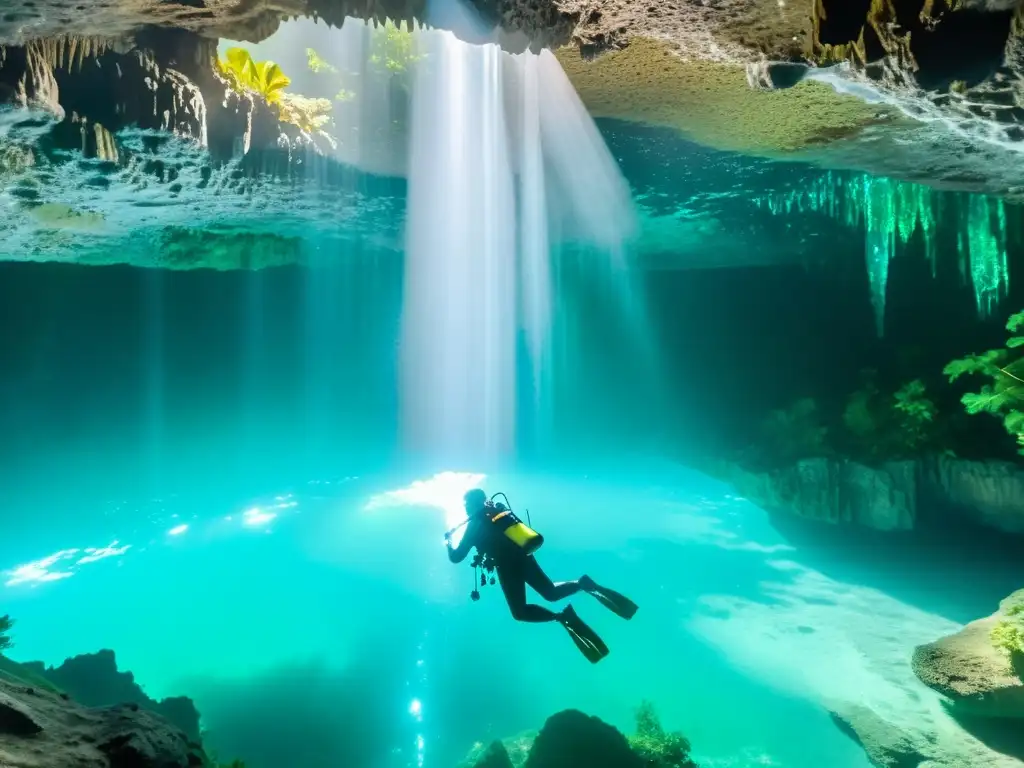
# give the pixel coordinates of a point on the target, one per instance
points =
(493, 755)
(980, 669)
(44, 729)
(573, 738)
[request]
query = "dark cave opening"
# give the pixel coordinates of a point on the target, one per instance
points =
(978, 40)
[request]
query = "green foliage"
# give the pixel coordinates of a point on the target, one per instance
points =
(311, 115)
(1004, 396)
(654, 746)
(393, 49)
(213, 762)
(266, 79)
(1008, 637)
(795, 432)
(891, 425)
(245, 74)
(6, 622)
(317, 64)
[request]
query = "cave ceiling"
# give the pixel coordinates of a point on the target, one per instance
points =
(120, 139)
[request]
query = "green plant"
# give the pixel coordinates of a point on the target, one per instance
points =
(213, 762)
(393, 49)
(654, 746)
(1004, 396)
(6, 622)
(795, 432)
(887, 426)
(267, 79)
(861, 415)
(311, 115)
(1008, 637)
(245, 74)
(318, 64)
(915, 414)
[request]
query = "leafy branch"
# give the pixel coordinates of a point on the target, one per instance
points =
(1004, 396)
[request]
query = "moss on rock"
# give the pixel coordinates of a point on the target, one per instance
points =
(185, 248)
(711, 102)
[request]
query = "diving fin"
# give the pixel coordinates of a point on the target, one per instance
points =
(586, 639)
(610, 599)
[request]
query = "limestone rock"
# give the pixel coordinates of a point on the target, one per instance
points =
(836, 491)
(16, 719)
(988, 493)
(979, 678)
(892, 496)
(93, 680)
(886, 745)
(51, 731)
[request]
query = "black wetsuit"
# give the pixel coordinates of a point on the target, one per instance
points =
(515, 570)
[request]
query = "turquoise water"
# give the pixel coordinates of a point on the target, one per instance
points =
(239, 481)
(332, 601)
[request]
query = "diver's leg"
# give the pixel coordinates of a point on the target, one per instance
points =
(609, 598)
(584, 637)
(513, 585)
(545, 587)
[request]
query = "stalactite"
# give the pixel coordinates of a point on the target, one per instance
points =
(880, 244)
(890, 212)
(986, 235)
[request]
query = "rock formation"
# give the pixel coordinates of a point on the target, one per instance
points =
(886, 745)
(572, 738)
(892, 496)
(976, 670)
(117, 126)
(44, 729)
(93, 680)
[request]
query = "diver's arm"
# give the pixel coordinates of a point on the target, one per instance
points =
(458, 554)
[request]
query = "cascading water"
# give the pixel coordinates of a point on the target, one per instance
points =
(504, 161)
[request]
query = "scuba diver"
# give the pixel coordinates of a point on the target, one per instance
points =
(506, 545)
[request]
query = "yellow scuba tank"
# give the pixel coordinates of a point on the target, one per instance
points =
(514, 529)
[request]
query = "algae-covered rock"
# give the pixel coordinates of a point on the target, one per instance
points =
(981, 667)
(191, 248)
(712, 102)
(572, 738)
(654, 745)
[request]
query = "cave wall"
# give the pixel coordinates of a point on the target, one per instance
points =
(740, 343)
